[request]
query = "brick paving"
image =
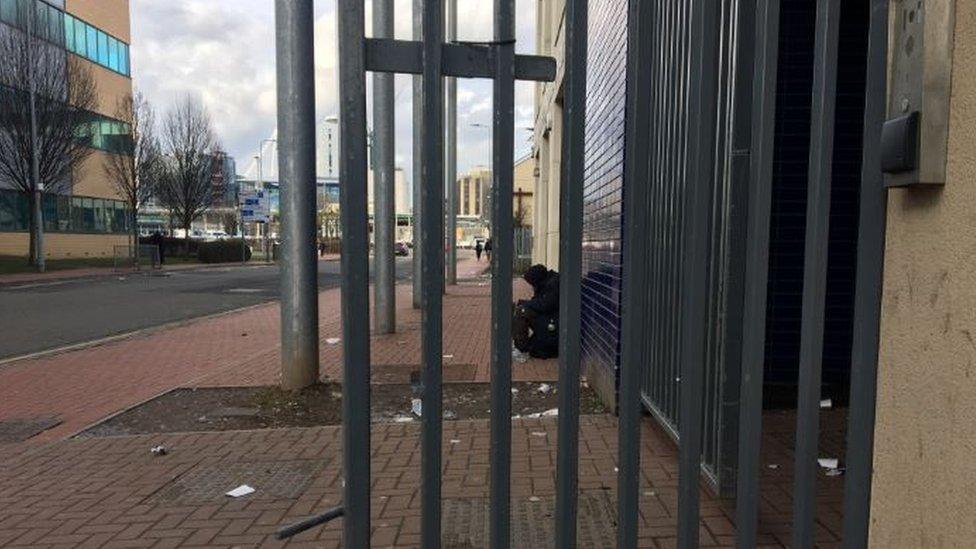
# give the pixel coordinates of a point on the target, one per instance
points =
(111, 492)
(234, 349)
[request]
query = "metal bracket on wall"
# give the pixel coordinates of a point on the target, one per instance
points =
(916, 135)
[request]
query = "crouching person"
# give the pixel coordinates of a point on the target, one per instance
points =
(535, 321)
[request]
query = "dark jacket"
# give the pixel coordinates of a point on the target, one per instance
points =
(545, 297)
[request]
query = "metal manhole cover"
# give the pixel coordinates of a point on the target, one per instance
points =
(19, 430)
(466, 522)
(209, 483)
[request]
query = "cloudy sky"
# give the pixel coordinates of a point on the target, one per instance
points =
(222, 52)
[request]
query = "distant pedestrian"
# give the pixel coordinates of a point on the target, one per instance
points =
(478, 249)
(488, 249)
(159, 241)
(321, 249)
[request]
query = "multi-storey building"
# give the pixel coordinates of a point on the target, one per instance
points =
(472, 193)
(89, 219)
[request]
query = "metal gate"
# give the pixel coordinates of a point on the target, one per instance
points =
(686, 143)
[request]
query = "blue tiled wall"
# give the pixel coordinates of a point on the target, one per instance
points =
(603, 187)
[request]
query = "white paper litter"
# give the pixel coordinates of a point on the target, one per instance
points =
(834, 472)
(417, 407)
(514, 391)
(828, 463)
(826, 404)
(534, 499)
(544, 388)
(332, 341)
(448, 357)
(548, 413)
(241, 491)
(773, 466)
(402, 419)
(538, 434)
(455, 441)
(158, 450)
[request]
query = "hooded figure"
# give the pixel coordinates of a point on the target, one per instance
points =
(535, 322)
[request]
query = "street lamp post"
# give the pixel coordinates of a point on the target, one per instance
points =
(35, 160)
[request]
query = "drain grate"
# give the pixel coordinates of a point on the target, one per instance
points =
(19, 430)
(209, 483)
(466, 522)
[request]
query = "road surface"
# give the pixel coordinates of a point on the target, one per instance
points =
(50, 315)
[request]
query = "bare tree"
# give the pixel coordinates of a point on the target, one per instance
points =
(228, 221)
(64, 97)
(133, 167)
(189, 147)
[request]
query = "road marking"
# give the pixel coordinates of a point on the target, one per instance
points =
(245, 291)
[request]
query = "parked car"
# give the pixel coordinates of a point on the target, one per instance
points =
(400, 249)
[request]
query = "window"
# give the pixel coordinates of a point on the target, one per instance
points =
(113, 54)
(91, 37)
(69, 32)
(80, 31)
(102, 58)
(123, 58)
(8, 12)
(55, 26)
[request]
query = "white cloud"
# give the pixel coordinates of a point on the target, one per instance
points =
(222, 51)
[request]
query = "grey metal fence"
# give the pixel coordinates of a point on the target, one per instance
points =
(700, 90)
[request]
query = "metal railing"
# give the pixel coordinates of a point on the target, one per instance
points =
(657, 32)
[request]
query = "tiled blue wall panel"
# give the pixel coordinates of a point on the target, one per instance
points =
(603, 185)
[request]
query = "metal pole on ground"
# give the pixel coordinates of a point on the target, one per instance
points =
(384, 288)
(763, 118)
(570, 273)
(503, 129)
(815, 272)
(296, 123)
(635, 271)
(432, 319)
(355, 274)
(867, 295)
(450, 150)
(418, 177)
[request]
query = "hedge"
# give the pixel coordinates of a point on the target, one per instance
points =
(222, 251)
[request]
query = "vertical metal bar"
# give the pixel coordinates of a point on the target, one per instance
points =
(570, 271)
(296, 123)
(432, 321)
(815, 271)
(635, 269)
(355, 271)
(418, 176)
(503, 162)
(867, 296)
(757, 270)
(384, 193)
(694, 299)
(450, 151)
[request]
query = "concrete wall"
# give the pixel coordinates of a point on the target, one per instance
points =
(925, 443)
(62, 245)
